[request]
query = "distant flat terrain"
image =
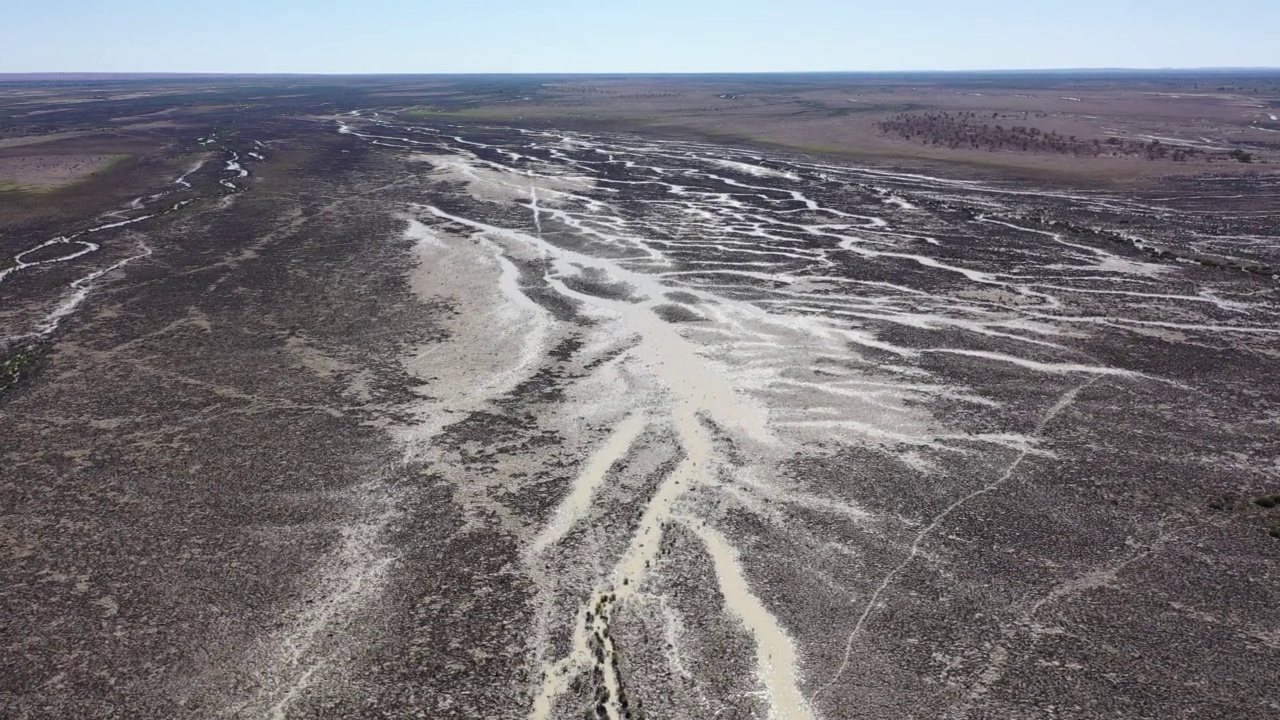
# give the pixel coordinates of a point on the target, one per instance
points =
(640, 397)
(42, 172)
(1087, 127)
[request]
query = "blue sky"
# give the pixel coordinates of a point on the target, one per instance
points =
(427, 36)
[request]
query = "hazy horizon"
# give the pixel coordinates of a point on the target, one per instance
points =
(1088, 71)
(384, 37)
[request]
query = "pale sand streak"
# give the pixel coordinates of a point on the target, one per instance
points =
(356, 572)
(686, 404)
(575, 506)
(697, 389)
(82, 288)
(776, 660)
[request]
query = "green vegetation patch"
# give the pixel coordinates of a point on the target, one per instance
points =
(1269, 500)
(18, 365)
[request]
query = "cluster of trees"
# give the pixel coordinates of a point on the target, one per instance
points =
(969, 130)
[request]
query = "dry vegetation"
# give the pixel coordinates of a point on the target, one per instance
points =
(45, 172)
(967, 129)
(1099, 128)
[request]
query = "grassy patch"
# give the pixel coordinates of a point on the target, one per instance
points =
(10, 186)
(18, 365)
(478, 113)
(44, 187)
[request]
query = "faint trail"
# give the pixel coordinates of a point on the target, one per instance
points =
(533, 202)
(347, 580)
(359, 570)
(1063, 402)
(1094, 579)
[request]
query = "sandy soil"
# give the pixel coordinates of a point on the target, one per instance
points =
(43, 172)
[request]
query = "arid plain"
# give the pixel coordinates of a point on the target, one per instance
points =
(734, 397)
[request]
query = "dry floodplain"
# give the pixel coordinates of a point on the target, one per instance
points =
(639, 398)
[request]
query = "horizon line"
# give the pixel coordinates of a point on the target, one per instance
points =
(633, 73)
